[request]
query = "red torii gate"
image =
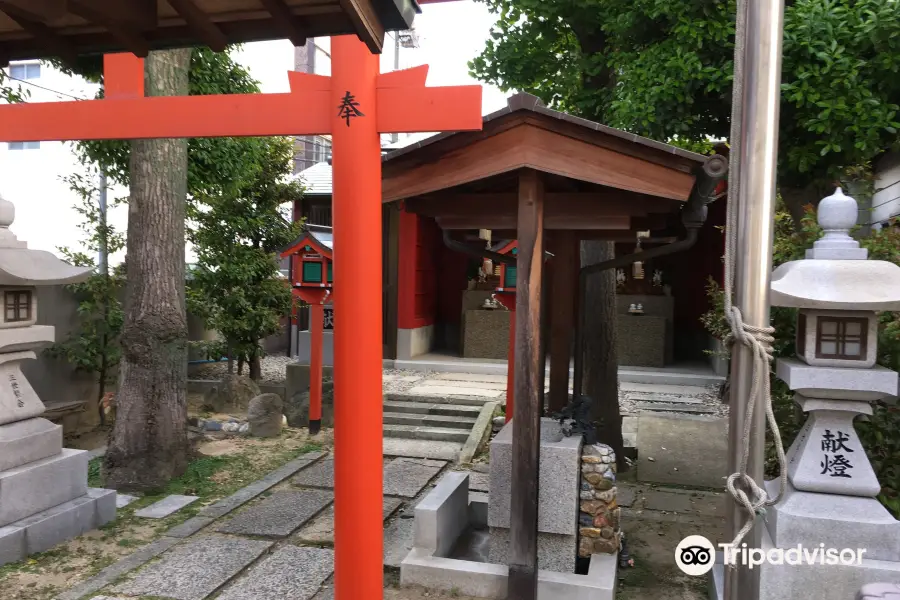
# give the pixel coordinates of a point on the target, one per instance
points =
(354, 105)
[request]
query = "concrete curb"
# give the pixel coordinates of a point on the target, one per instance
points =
(480, 432)
(206, 516)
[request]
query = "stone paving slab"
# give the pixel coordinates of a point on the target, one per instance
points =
(404, 477)
(245, 494)
(189, 527)
(280, 514)
(679, 407)
(665, 500)
(453, 390)
(290, 573)
(422, 448)
(659, 388)
(398, 541)
(165, 507)
(474, 385)
(321, 529)
(407, 477)
(123, 500)
(196, 569)
(696, 450)
(644, 397)
(118, 569)
(624, 495)
(404, 378)
(470, 377)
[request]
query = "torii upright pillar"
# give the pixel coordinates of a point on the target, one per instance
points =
(355, 105)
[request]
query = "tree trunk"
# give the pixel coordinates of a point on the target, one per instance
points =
(149, 443)
(256, 366)
(601, 376)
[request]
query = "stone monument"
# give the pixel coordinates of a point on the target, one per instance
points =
(44, 497)
(830, 499)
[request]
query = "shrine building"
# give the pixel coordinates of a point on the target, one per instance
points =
(600, 183)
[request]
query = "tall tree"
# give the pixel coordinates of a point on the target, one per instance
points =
(236, 284)
(663, 68)
(601, 375)
(149, 445)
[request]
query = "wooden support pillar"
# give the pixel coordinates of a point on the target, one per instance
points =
(316, 339)
(564, 287)
(523, 570)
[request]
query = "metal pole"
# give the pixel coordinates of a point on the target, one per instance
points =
(104, 245)
(395, 137)
(759, 96)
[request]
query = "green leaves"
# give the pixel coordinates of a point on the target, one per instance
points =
(664, 69)
(236, 285)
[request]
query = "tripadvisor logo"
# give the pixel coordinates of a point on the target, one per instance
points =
(695, 555)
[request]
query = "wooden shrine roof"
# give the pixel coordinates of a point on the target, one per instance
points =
(601, 181)
(68, 28)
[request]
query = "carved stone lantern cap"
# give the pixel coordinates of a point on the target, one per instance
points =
(24, 267)
(835, 274)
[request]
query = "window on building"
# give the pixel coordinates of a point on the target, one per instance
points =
(25, 71)
(18, 306)
(24, 145)
(321, 150)
(841, 338)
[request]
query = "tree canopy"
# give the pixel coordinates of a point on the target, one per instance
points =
(236, 284)
(664, 69)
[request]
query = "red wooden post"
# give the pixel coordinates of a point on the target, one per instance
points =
(317, 337)
(358, 410)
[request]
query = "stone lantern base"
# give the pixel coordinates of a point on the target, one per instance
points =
(44, 496)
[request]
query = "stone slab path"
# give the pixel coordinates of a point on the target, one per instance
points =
(280, 514)
(196, 569)
(262, 543)
(165, 507)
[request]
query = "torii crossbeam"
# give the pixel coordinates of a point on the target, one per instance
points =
(354, 105)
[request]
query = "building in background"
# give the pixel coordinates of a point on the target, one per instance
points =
(886, 200)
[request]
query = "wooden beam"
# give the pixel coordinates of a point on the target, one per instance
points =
(43, 34)
(365, 19)
(527, 146)
(38, 10)
(526, 443)
(129, 37)
(612, 203)
(285, 21)
(563, 290)
(495, 221)
(140, 14)
(200, 23)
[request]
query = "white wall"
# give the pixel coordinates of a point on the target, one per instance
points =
(886, 201)
(32, 178)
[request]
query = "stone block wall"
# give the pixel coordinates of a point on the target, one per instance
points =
(599, 517)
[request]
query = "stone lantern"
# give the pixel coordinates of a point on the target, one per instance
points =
(830, 498)
(44, 498)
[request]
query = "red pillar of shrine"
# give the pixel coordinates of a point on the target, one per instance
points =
(317, 338)
(358, 540)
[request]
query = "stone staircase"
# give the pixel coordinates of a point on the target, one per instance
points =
(438, 415)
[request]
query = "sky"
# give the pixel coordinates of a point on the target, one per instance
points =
(450, 35)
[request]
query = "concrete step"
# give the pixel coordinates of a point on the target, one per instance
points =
(422, 432)
(411, 448)
(393, 418)
(426, 399)
(665, 389)
(430, 408)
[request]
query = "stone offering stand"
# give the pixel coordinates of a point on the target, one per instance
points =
(568, 474)
(44, 496)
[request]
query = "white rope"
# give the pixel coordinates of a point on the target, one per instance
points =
(745, 491)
